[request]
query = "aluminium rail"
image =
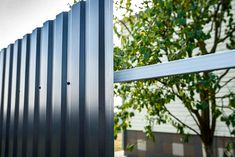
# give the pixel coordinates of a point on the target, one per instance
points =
(218, 61)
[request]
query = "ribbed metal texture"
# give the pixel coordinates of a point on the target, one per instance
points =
(56, 87)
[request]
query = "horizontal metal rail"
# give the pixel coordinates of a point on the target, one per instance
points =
(220, 60)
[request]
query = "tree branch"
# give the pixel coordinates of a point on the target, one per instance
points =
(226, 107)
(190, 110)
(227, 82)
(123, 23)
(213, 109)
(192, 129)
(219, 79)
(227, 36)
(221, 76)
(216, 29)
(202, 47)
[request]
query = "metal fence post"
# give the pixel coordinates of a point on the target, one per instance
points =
(99, 79)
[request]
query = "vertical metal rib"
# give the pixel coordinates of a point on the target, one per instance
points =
(23, 98)
(7, 100)
(59, 85)
(99, 79)
(9, 103)
(26, 99)
(45, 90)
(2, 85)
(32, 110)
(108, 77)
(14, 95)
(75, 139)
(17, 49)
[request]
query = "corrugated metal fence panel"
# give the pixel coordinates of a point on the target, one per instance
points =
(23, 96)
(2, 83)
(75, 82)
(7, 100)
(59, 85)
(45, 86)
(4, 105)
(14, 96)
(45, 110)
(33, 85)
(99, 79)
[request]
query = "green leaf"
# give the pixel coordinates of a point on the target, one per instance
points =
(202, 105)
(232, 102)
(130, 147)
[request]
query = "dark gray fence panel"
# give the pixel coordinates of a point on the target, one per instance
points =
(75, 139)
(99, 79)
(26, 100)
(108, 76)
(3, 65)
(32, 117)
(45, 86)
(23, 98)
(9, 106)
(17, 98)
(36, 93)
(1, 72)
(59, 85)
(14, 97)
(7, 99)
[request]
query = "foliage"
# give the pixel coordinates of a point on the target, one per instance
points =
(157, 31)
(230, 122)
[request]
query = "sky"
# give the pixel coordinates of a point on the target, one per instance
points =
(19, 17)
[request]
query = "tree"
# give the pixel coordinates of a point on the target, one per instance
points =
(163, 30)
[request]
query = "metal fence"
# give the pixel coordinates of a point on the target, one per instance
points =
(56, 85)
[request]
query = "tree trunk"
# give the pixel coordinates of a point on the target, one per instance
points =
(208, 149)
